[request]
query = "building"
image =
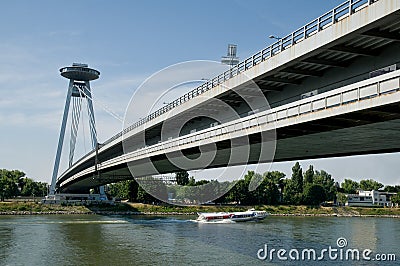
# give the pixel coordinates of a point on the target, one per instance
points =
(370, 198)
(76, 199)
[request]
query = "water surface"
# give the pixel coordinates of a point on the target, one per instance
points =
(176, 240)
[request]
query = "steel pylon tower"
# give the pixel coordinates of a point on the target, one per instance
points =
(79, 76)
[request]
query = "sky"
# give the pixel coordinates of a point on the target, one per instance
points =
(127, 41)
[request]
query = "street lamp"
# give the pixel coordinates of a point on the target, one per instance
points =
(274, 37)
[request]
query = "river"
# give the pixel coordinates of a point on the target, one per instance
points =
(176, 240)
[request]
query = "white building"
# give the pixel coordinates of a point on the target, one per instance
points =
(75, 198)
(370, 198)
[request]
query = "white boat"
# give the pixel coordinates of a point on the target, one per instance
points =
(218, 217)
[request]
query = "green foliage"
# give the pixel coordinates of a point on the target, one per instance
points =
(327, 182)
(119, 190)
(341, 198)
(156, 187)
(192, 182)
(314, 194)
(125, 190)
(298, 190)
(309, 175)
(293, 191)
(396, 199)
(201, 182)
(12, 182)
(349, 186)
(182, 178)
(393, 189)
(370, 184)
(8, 188)
(144, 197)
(269, 188)
(312, 188)
(32, 188)
(297, 178)
(291, 194)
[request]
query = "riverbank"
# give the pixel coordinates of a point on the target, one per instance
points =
(281, 210)
(32, 208)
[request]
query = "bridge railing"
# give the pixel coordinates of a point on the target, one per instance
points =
(342, 11)
(350, 94)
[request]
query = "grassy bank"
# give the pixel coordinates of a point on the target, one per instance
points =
(34, 207)
(274, 210)
(139, 208)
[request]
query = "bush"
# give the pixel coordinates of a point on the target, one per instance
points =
(314, 194)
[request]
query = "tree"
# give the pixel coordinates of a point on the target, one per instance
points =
(235, 193)
(155, 186)
(293, 193)
(8, 188)
(127, 189)
(144, 197)
(10, 180)
(201, 182)
(370, 184)
(240, 192)
(13, 183)
(393, 189)
(182, 178)
(119, 190)
(196, 192)
(223, 189)
(327, 182)
(290, 195)
(245, 196)
(396, 199)
(297, 178)
(349, 186)
(314, 194)
(192, 181)
(269, 187)
(341, 198)
(309, 175)
(32, 188)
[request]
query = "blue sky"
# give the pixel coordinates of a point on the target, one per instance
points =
(128, 41)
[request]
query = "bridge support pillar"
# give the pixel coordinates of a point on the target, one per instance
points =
(79, 76)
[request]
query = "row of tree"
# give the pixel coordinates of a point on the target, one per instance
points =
(311, 188)
(14, 183)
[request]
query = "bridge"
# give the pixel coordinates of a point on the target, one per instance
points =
(330, 88)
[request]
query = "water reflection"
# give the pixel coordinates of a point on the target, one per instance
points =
(6, 243)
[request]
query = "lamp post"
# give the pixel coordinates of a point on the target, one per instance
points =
(278, 44)
(274, 37)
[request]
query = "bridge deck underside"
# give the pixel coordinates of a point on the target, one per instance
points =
(368, 131)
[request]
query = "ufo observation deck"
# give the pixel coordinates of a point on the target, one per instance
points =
(79, 72)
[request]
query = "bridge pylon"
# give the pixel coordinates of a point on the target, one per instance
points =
(79, 76)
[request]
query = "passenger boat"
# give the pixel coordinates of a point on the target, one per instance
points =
(217, 217)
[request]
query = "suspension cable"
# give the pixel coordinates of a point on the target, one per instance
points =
(83, 126)
(104, 107)
(76, 112)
